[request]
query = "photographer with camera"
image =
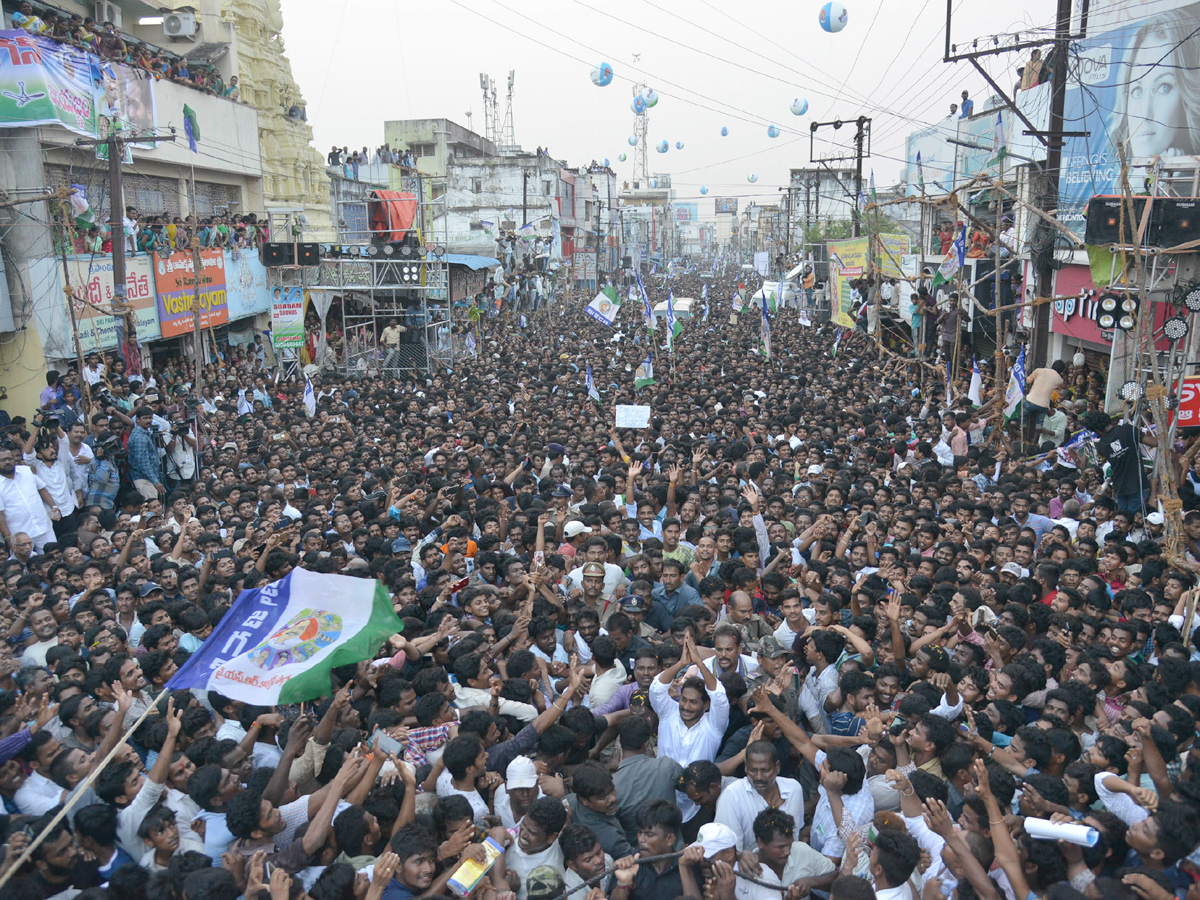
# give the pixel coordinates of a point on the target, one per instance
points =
(180, 460)
(46, 452)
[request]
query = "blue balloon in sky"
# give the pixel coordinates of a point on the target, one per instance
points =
(724, 131)
(773, 131)
(799, 106)
(833, 16)
(638, 105)
(703, 189)
(663, 147)
(633, 140)
(679, 145)
(602, 75)
(606, 162)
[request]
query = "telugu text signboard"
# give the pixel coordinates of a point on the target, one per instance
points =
(92, 279)
(175, 284)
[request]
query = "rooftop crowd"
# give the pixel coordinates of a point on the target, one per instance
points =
(816, 631)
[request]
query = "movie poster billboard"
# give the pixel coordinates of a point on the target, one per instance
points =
(1131, 81)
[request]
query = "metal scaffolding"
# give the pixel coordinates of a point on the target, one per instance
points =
(374, 283)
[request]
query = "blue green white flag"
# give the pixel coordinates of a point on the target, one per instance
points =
(279, 643)
(1015, 392)
(673, 325)
(591, 385)
(643, 376)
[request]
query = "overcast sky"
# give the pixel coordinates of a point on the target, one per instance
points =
(714, 63)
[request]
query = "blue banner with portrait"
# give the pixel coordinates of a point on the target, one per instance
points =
(1134, 80)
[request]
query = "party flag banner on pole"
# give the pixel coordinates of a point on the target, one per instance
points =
(953, 261)
(647, 309)
(975, 391)
(673, 324)
(643, 376)
(279, 643)
(604, 307)
(765, 343)
(310, 398)
(591, 386)
(1015, 391)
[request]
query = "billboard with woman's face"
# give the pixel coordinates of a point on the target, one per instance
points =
(1134, 81)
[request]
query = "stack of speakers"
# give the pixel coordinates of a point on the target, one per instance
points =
(1173, 221)
(277, 254)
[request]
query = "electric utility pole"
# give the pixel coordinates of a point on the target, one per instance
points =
(1046, 197)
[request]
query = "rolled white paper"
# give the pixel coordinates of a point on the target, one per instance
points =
(1045, 830)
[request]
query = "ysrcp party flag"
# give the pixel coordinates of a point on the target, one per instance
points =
(1015, 393)
(590, 384)
(278, 643)
(603, 308)
(310, 398)
(643, 375)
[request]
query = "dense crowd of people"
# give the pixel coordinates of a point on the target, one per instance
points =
(164, 234)
(818, 630)
(107, 42)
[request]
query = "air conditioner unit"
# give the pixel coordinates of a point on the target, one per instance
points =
(182, 24)
(107, 11)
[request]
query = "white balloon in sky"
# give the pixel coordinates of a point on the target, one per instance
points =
(752, 177)
(833, 16)
(799, 106)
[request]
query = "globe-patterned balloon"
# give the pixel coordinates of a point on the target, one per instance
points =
(773, 131)
(833, 16)
(752, 177)
(638, 105)
(799, 106)
(650, 96)
(663, 147)
(622, 157)
(602, 75)
(633, 140)
(724, 131)
(703, 189)
(679, 145)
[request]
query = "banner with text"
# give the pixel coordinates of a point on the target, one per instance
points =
(43, 82)
(1132, 82)
(93, 282)
(287, 318)
(847, 261)
(175, 284)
